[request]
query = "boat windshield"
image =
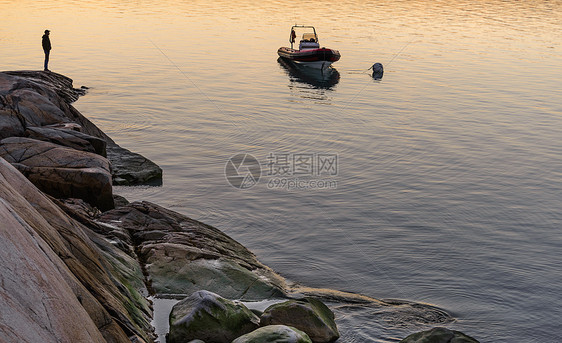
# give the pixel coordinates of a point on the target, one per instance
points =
(309, 36)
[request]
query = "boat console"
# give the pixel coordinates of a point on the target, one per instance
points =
(307, 44)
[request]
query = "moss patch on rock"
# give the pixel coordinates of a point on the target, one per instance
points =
(207, 316)
(309, 315)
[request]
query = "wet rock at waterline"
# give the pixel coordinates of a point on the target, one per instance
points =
(274, 334)
(439, 335)
(309, 315)
(207, 316)
(129, 168)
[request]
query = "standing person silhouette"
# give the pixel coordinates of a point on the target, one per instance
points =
(46, 48)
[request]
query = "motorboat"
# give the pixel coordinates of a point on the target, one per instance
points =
(309, 52)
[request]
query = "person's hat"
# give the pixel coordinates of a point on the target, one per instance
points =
(47, 31)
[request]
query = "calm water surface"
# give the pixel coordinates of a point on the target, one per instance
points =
(448, 187)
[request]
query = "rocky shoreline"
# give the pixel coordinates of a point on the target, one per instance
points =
(80, 263)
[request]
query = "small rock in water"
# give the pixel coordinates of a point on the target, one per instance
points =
(274, 334)
(438, 335)
(308, 315)
(208, 316)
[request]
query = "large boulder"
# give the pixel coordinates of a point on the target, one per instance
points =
(61, 172)
(274, 334)
(68, 138)
(439, 335)
(309, 315)
(207, 316)
(182, 255)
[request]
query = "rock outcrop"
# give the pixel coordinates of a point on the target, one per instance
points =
(308, 315)
(207, 316)
(274, 334)
(61, 172)
(439, 335)
(35, 103)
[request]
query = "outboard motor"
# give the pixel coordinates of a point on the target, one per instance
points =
(377, 71)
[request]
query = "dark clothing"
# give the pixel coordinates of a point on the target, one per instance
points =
(47, 49)
(46, 64)
(46, 43)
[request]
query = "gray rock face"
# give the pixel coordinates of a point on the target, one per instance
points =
(61, 172)
(209, 317)
(309, 315)
(129, 168)
(36, 109)
(182, 255)
(68, 138)
(274, 334)
(439, 335)
(10, 122)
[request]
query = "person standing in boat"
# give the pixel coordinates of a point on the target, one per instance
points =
(46, 48)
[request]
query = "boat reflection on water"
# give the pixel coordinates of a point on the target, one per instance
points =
(318, 78)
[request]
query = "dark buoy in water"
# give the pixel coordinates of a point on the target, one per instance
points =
(377, 71)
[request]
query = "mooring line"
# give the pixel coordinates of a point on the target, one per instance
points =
(192, 82)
